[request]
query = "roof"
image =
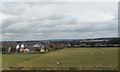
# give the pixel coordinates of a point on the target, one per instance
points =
(17, 46)
(36, 45)
(22, 45)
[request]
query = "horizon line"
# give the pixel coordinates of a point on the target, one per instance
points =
(61, 39)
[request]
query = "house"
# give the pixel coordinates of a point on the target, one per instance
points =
(36, 47)
(22, 48)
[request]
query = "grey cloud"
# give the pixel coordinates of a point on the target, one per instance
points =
(55, 17)
(38, 24)
(52, 26)
(12, 8)
(11, 21)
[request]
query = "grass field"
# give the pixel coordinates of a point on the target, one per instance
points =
(0, 61)
(69, 58)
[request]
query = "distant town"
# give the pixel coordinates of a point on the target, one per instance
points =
(47, 45)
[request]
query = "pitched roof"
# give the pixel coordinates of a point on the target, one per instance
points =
(22, 45)
(36, 45)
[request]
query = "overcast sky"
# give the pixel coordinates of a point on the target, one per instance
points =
(58, 20)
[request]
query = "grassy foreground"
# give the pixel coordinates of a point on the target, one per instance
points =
(69, 58)
(0, 61)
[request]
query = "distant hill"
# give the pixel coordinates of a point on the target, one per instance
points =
(110, 38)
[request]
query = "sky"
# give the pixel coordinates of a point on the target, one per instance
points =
(58, 20)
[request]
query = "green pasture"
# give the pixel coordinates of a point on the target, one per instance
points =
(0, 61)
(69, 58)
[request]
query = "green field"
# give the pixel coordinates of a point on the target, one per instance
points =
(69, 58)
(0, 62)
